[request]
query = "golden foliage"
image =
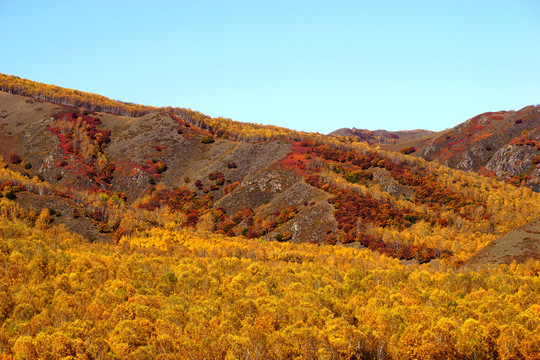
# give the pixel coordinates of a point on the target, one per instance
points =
(169, 293)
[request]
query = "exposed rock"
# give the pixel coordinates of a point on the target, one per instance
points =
(389, 184)
(511, 160)
(504, 142)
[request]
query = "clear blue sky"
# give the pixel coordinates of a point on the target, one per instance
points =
(306, 65)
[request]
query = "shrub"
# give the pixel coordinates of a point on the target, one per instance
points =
(11, 195)
(161, 167)
(230, 188)
(217, 176)
(14, 159)
(207, 140)
(27, 166)
(287, 235)
(407, 150)
(152, 181)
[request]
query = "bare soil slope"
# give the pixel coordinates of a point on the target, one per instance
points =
(518, 245)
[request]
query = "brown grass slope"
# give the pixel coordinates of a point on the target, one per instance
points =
(518, 245)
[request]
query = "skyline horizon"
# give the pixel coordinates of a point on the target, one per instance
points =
(300, 130)
(306, 66)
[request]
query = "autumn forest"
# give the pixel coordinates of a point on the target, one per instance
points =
(135, 232)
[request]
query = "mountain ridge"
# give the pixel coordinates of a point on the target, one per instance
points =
(503, 144)
(381, 136)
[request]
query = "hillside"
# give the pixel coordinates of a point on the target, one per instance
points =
(517, 245)
(131, 232)
(170, 293)
(105, 165)
(503, 144)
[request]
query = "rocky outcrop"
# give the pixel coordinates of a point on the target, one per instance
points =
(505, 144)
(514, 161)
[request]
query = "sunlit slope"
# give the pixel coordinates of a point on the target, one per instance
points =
(516, 245)
(170, 293)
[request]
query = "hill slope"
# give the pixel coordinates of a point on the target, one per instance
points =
(272, 189)
(503, 144)
(175, 235)
(381, 136)
(517, 245)
(168, 293)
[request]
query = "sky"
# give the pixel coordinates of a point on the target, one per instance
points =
(307, 65)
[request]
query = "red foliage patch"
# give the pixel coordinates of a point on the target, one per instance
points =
(353, 211)
(296, 159)
(524, 141)
(15, 159)
(174, 199)
(10, 184)
(153, 167)
(496, 117)
(70, 140)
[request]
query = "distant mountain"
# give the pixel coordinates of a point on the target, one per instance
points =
(381, 136)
